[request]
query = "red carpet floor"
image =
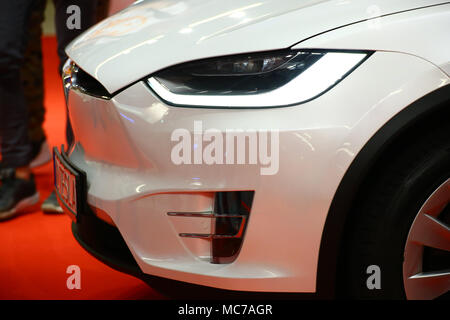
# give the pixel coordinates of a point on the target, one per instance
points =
(36, 249)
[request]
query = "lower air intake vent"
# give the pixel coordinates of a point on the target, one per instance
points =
(229, 220)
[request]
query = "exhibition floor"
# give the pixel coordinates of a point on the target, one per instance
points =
(37, 248)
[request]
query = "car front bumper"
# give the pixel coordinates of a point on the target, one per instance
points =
(124, 145)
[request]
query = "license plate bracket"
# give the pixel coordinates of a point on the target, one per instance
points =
(70, 184)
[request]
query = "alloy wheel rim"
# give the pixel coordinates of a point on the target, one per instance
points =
(428, 230)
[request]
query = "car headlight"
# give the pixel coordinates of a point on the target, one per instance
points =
(270, 79)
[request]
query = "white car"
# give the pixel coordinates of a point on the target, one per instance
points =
(265, 145)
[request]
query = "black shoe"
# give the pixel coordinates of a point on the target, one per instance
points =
(51, 205)
(16, 195)
(6, 172)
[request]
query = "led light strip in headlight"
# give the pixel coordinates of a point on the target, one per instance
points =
(270, 79)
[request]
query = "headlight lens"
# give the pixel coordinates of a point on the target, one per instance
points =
(268, 79)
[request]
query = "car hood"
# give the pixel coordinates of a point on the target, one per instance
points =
(151, 35)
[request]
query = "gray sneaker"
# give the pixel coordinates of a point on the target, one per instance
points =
(16, 195)
(42, 154)
(51, 205)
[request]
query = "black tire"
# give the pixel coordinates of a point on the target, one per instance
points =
(391, 197)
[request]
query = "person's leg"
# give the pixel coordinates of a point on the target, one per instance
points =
(15, 149)
(33, 84)
(88, 10)
(102, 10)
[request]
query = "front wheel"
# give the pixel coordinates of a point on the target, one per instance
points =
(426, 273)
(398, 241)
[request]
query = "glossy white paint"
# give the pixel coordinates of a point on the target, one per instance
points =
(424, 33)
(124, 143)
(124, 146)
(152, 35)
